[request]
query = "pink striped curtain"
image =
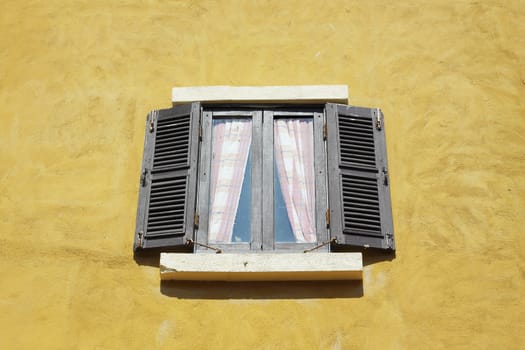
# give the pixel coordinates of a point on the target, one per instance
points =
(231, 144)
(293, 140)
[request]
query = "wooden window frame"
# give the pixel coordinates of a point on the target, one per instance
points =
(262, 237)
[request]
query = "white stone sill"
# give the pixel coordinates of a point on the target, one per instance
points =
(261, 94)
(261, 267)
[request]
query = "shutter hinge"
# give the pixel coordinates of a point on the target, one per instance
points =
(143, 177)
(385, 177)
(389, 240)
(152, 121)
(325, 131)
(378, 119)
(200, 132)
(196, 220)
(140, 239)
(327, 216)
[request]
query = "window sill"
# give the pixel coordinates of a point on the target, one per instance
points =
(261, 267)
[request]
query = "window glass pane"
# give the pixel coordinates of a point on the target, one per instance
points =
(230, 192)
(294, 185)
(282, 227)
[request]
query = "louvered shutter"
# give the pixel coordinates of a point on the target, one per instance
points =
(165, 218)
(359, 193)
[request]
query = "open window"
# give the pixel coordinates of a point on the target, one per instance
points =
(264, 178)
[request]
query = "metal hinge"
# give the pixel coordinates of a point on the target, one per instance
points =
(140, 239)
(389, 240)
(327, 216)
(325, 131)
(152, 121)
(385, 176)
(143, 177)
(200, 132)
(379, 123)
(196, 220)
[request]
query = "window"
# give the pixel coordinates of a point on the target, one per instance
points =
(264, 178)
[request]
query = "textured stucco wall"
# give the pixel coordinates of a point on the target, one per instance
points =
(77, 79)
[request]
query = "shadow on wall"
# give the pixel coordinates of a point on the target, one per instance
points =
(262, 290)
(147, 259)
(372, 256)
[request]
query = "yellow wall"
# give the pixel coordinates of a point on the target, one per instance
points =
(78, 78)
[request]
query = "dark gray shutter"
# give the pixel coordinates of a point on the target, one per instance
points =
(359, 193)
(168, 183)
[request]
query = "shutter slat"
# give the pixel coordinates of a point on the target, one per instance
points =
(165, 213)
(166, 204)
(168, 182)
(354, 142)
(359, 160)
(358, 137)
(360, 199)
(165, 154)
(174, 121)
(167, 134)
(166, 222)
(361, 190)
(171, 148)
(364, 153)
(170, 142)
(168, 194)
(359, 195)
(369, 206)
(174, 227)
(356, 129)
(357, 220)
(162, 218)
(161, 202)
(168, 158)
(358, 214)
(362, 147)
(365, 210)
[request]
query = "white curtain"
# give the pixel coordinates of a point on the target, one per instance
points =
(231, 145)
(293, 142)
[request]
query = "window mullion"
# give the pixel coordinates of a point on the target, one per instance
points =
(257, 182)
(267, 182)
